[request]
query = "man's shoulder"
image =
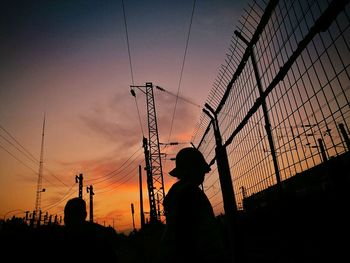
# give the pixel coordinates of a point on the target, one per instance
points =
(182, 191)
(182, 186)
(93, 226)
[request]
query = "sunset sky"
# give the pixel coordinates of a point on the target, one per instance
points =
(69, 60)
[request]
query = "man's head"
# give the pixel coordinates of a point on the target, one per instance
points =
(190, 165)
(75, 211)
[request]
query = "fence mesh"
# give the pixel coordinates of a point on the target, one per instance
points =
(301, 53)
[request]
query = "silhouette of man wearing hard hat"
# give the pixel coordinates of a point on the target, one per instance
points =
(192, 232)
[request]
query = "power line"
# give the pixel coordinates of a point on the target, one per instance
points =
(182, 68)
(127, 41)
(18, 159)
(113, 173)
(65, 196)
(130, 64)
(23, 163)
(13, 138)
(26, 153)
(138, 113)
(57, 178)
(128, 177)
(18, 149)
(122, 177)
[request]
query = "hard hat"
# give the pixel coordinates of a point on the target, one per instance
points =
(189, 159)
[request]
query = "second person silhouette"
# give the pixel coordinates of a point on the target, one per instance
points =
(192, 231)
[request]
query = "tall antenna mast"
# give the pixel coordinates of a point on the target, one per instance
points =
(39, 188)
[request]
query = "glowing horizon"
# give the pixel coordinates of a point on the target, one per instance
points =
(70, 62)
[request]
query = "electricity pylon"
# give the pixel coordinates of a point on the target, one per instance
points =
(155, 182)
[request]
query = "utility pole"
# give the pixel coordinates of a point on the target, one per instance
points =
(32, 220)
(91, 192)
(39, 188)
(155, 182)
(27, 213)
(142, 216)
(46, 217)
(132, 214)
(39, 218)
(79, 179)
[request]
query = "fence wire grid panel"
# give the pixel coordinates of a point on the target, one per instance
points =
(298, 92)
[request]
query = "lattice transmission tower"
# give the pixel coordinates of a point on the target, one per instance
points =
(155, 182)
